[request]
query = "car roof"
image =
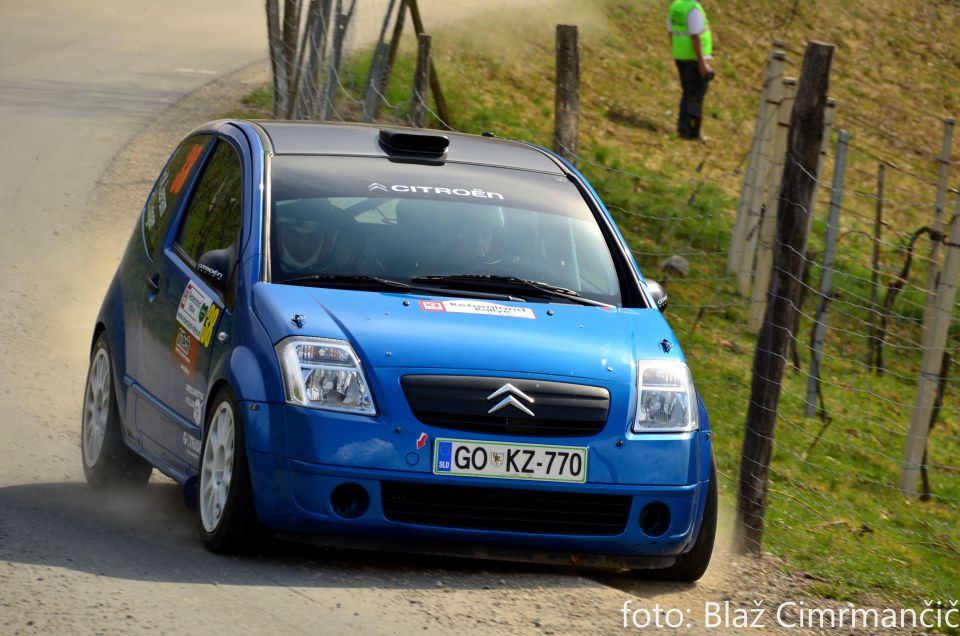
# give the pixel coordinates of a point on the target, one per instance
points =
(361, 140)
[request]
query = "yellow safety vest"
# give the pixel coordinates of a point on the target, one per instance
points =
(682, 43)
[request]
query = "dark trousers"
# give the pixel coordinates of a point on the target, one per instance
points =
(691, 104)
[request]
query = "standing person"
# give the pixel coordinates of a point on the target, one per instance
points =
(692, 50)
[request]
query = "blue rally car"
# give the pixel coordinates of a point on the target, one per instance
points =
(398, 339)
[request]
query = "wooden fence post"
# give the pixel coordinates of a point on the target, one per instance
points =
(933, 266)
(277, 59)
(397, 34)
(291, 28)
(803, 148)
(752, 215)
(751, 176)
(829, 119)
(875, 270)
(824, 147)
(442, 113)
(336, 54)
(421, 81)
(768, 223)
(384, 79)
(313, 50)
(926, 492)
(372, 95)
(566, 126)
(826, 274)
(938, 318)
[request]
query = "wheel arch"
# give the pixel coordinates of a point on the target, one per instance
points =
(237, 528)
(209, 403)
(98, 329)
(118, 363)
(242, 372)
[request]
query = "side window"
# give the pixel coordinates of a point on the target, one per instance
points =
(214, 214)
(170, 186)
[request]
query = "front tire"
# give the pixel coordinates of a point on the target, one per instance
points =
(107, 460)
(692, 565)
(225, 511)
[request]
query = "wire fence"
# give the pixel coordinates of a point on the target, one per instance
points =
(834, 477)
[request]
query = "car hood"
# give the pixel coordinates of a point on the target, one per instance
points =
(412, 331)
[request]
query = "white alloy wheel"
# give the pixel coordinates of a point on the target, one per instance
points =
(216, 470)
(107, 460)
(96, 408)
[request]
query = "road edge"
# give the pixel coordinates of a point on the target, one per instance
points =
(123, 186)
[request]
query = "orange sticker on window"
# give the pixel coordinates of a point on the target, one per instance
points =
(181, 177)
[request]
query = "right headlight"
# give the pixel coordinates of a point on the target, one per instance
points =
(323, 373)
(666, 398)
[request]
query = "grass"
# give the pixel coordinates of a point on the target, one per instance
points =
(255, 105)
(834, 511)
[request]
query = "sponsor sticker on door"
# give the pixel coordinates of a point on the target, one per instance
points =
(197, 313)
(195, 402)
(185, 349)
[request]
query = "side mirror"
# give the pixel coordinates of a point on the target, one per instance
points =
(659, 294)
(217, 267)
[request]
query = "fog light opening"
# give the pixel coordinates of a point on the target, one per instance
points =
(349, 500)
(654, 519)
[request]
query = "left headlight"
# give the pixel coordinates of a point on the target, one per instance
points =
(666, 398)
(322, 373)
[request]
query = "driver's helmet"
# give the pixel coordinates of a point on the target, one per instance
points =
(478, 232)
(307, 233)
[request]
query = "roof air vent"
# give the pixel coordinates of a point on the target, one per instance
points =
(405, 142)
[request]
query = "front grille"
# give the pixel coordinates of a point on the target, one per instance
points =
(463, 403)
(505, 509)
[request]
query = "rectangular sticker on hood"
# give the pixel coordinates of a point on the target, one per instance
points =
(477, 307)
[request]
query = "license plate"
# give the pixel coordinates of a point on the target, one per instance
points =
(502, 460)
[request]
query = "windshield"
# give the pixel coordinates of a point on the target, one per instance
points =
(337, 217)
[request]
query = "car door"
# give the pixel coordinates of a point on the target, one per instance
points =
(146, 249)
(180, 319)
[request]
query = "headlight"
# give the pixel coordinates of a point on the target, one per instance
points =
(322, 373)
(667, 399)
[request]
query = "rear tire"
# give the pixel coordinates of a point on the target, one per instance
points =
(690, 566)
(107, 460)
(225, 511)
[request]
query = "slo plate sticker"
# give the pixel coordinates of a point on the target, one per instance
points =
(197, 313)
(477, 307)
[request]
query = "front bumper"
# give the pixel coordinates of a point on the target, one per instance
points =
(293, 495)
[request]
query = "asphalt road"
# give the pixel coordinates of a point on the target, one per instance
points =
(78, 81)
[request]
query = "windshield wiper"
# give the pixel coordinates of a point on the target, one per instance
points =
(539, 288)
(357, 281)
(344, 280)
